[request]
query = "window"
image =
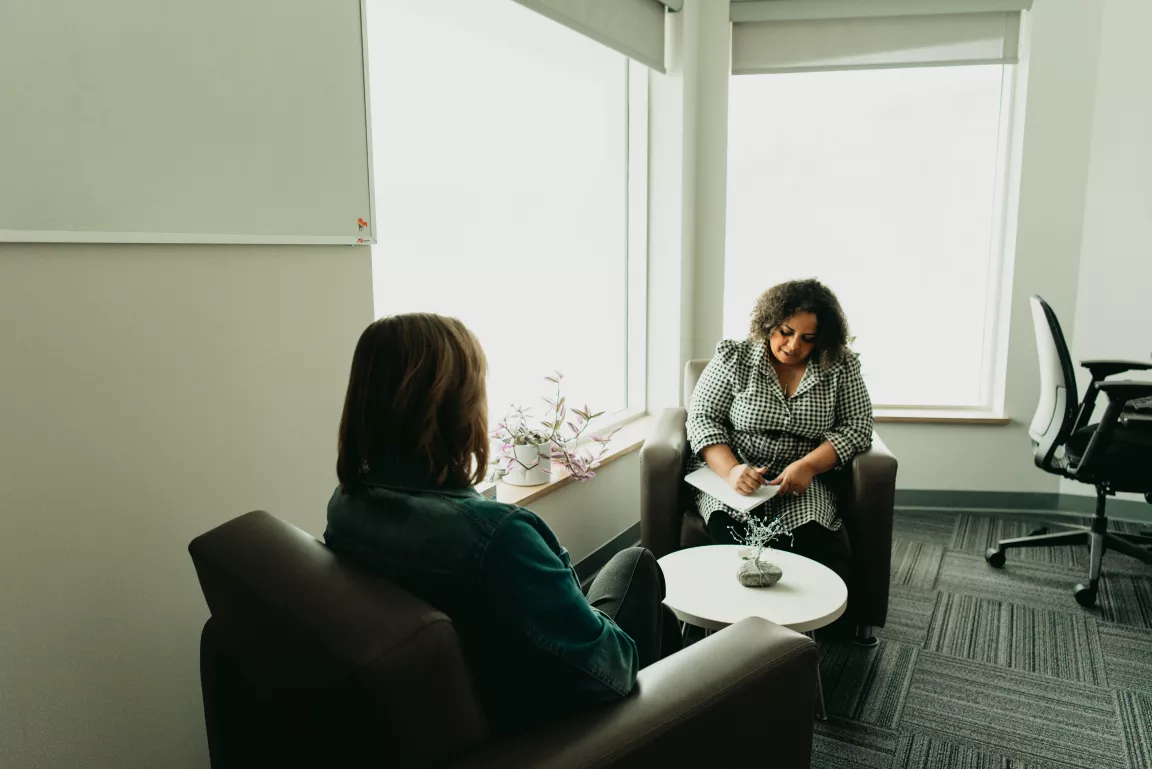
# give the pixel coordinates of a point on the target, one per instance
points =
(887, 185)
(504, 146)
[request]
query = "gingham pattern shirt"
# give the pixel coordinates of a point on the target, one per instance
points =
(739, 401)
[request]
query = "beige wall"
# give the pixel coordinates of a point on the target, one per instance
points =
(148, 393)
(1113, 310)
(586, 516)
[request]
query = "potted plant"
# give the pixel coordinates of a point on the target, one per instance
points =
(525, 452)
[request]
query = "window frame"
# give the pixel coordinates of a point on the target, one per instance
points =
(636, 265)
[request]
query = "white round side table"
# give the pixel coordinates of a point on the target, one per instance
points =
(702, 590)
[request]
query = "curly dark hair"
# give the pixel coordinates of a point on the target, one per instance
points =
(784, 300)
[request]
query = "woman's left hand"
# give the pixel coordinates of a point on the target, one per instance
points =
(795, 479)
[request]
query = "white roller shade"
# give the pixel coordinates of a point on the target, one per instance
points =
(635, 28)
(875, 42)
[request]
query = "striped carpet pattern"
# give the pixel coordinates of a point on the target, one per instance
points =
(980, 668)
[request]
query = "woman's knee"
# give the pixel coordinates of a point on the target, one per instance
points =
(645, 567)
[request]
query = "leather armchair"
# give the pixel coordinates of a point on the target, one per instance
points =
(865, 490)
(307, 661)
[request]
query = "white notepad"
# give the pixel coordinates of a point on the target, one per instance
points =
(710, 483)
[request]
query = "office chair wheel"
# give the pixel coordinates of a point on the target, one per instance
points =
(1038, 532)
(1085, 596)
(995, 557)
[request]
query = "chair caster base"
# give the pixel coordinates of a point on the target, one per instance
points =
(1085, 595)
(995, 557)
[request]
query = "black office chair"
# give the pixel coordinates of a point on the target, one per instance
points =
(1113, 455)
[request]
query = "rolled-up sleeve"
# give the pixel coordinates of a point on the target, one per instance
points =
(708, 418)
(851, 433)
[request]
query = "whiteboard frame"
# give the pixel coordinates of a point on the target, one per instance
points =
(364, 239)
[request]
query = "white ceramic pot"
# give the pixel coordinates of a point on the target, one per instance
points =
(533, 466)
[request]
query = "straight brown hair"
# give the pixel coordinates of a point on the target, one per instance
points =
(416, 391)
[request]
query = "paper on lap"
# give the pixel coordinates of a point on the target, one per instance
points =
(710, 483)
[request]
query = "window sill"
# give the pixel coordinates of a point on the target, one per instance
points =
(629, 438)
(942, 416)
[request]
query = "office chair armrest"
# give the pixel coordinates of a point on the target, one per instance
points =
(1119, 393)
(698, 707)
(1102, 369)
(1126, 390)
(662, 460)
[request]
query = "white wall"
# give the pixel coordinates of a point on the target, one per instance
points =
(1113, 312)
(1061, 86)
(148, 394)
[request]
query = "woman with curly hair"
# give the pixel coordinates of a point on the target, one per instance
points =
(781, 408)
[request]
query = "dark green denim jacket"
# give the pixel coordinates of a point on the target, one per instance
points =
(533, 644)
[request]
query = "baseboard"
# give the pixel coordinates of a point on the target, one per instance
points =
(586, 569)
(1020, 502)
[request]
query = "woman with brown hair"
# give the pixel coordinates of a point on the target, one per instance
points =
(781, 408)
(413, 443)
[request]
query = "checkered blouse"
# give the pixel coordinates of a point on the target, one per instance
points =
(739, 401)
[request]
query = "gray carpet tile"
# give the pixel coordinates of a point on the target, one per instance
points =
(1021, 715)
(980, 667)
(915, 564)
(923, 749)
(976, 533)
(909, 614)
(1118, 563)
(1031, 584)
(1126, 598)
(1036, 640)
(1136, 718)
(935, 528)
(842, 744)
(1127, 656)
(866, 684)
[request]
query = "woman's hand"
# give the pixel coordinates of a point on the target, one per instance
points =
(795, 479)
(745, 479)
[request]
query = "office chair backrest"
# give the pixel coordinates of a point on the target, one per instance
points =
(1056, 411)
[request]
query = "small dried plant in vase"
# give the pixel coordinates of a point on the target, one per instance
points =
(526, 452)
(759, 534)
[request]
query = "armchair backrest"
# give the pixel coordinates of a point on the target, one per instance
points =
(308, 661)
(692, 371)
(1056, 409)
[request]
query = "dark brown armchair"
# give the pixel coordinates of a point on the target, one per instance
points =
(307, 661)
(866, 490)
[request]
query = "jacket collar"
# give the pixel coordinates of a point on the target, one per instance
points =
(406, 474)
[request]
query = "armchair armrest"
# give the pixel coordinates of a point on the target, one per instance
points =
(869, 500)
(1101, 369)
(662, 460)
(695, 708)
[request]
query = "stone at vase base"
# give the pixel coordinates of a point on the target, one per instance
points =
(757, 573)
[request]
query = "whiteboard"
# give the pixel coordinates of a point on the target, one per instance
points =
(184, 121)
